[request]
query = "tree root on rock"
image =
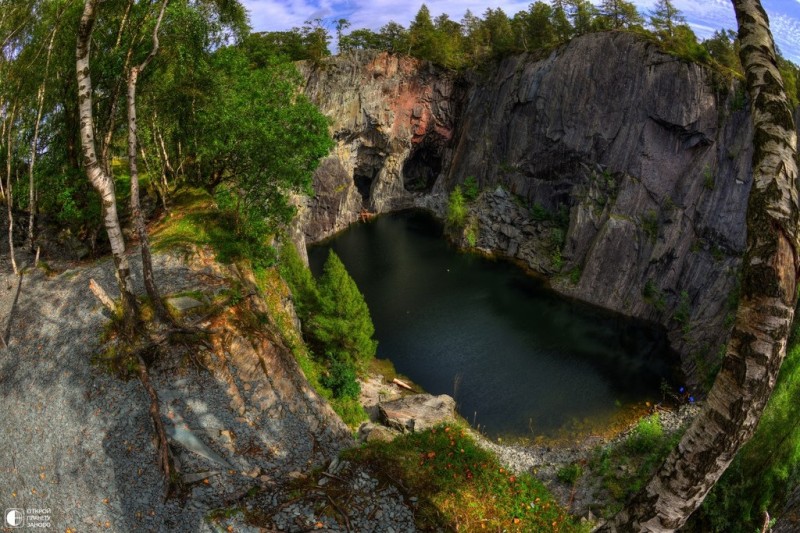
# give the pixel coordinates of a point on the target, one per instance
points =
(165, 460)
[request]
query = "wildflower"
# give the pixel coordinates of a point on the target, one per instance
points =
(691, 399)
(681, 390)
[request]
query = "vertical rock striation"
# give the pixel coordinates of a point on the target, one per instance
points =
(620, 172)
(393, 119)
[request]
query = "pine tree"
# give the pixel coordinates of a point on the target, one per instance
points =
(560, 22)
(618, 14)
(301, 282)
(539, 30)
(582, 14)
(501, 35)
(422, 34)
(343, 325)
(665, 17)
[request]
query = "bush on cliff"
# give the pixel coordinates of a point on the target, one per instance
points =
(456, 209)
(336, 321)
(343, 324)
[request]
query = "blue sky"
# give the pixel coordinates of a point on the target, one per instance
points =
(704, 16)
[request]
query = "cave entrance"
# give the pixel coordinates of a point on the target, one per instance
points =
(422, 168)
(369, 163)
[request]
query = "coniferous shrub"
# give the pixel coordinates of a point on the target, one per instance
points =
(336, 321)
(300, 281)
(456, 209)
(343, 324)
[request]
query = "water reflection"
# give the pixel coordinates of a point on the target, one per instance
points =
(524, 359)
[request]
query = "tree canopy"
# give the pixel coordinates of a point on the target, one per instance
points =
(542, 26)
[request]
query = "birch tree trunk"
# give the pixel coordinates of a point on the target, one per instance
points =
(764, 317)
(9, 194)
(100, 180)
(133, 154)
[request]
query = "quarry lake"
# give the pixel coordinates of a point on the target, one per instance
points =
(519, 359)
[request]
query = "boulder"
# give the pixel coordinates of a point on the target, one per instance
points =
(371, 432)
(183, 303)
(417, 412)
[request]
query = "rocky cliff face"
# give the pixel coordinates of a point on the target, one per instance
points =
(620, 172)
(393, 119)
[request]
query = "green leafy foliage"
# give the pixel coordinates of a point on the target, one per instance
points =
(665, 18)
(618, 14)
(259, 138)
(299, 278)
(646, 436)
(471, 189)
(475, 40)
(569, 474)
(457, 209)
(341, 378)
(624, 468)
(575, 275)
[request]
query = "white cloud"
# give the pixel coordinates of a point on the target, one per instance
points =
(786, 31)
(273, 15)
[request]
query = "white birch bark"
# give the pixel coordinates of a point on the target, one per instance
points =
(99, 179)
(764, 317)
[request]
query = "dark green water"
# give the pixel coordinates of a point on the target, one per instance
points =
(526, 360)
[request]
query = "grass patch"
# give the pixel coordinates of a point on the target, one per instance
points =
(195, 220)
(625, 467)
(462, 486)
(646, 436)
(569, 474)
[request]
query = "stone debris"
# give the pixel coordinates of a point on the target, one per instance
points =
(367, 504)
(83, 440)
(417, 412)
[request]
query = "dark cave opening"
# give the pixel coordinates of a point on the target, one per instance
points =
(422, 168)
(363, 181)
(369, 164)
